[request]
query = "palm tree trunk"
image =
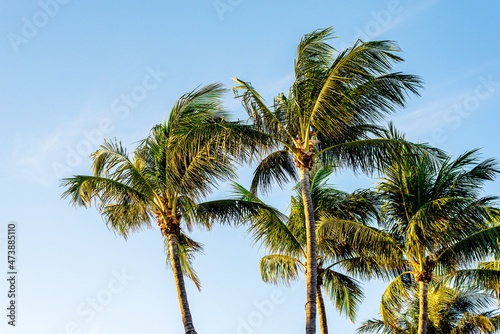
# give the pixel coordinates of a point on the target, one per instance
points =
(423, 316)
(311, 265)
(179, 282)
(321, 311)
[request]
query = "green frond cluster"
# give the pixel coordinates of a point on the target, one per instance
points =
(435, 225)
(285, 239)
(332, 107)
(170, 171)
(451, 311)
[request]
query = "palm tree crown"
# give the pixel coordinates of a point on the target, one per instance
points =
(451, 311)
(285, 238)
(329, 114)
(435, 222)
(168, 174)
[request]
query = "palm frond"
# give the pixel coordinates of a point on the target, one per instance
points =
(366, 155)
(361, 237)
(268, 226)
(195, 106)
(371, 266)
(478, 279)
(262, 117)
(345, 292)
(278, 167)
(123, 207)
(125, 217)
(358, 83)
(280, 269)
(228, 211)
(187, 249)
(400, 326)
(476, 247)
(397, 293)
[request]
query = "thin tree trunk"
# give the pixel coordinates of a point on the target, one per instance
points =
(321, 311)
(423, 315)
(179, 282)
(311, 265)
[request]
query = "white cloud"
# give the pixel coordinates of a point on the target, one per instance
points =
(422, 121)
(34, 157)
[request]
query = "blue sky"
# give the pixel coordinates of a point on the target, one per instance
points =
(75, 72)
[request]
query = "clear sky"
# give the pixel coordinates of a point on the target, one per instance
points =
(75, 72)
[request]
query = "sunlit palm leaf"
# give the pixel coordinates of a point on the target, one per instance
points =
(345, 292)
(280, 269)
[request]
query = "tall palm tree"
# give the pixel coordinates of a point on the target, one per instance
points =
(285, 238)
(451, 311)
(168, 174)
(435, 222)
(327, 114)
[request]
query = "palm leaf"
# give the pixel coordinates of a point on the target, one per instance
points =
(278, 167)
(476, 247)
(396, 295)
(345, 292)
(187, 250)
(280, 269)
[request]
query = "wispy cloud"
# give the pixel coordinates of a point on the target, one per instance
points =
(421, 121)
(385, 19)
(64, 150)
(34, 157)
(431, 122)
(280, 85)
(407, 14)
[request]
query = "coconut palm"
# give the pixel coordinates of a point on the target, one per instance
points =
(167, 176)
(328, 114)
(285, 238)
(451, 311)
(435, 222)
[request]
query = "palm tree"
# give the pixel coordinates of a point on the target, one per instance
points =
(285, 238)
(434, 223)
(168, 174)
(328, 114)
(451, 311)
